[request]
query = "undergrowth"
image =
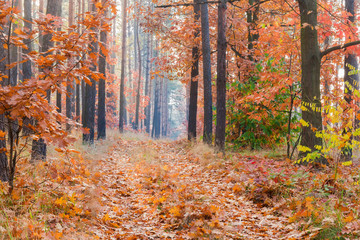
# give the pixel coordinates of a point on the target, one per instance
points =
(64, 196)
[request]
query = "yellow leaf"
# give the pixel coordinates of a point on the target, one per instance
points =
(304, 149)
(175, 211)
(349, 218)
(348, 163)
(106, 218)
(236, 188)
(305, 124)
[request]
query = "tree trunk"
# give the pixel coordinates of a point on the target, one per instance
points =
(137, 108)
(102, 89)
(70, 87)
(90, 94)
(157, 113)
(78, 85)
(310, 79)
(221, 78)
(27, 66)
(14, 53)
(59, 92)
(351, 82)
(39, 146)
(194, 79)
(147, 84)
(205, 33)
(165, 110)
(122, 77)
(83, 85)
(252, 17)
(4, 169)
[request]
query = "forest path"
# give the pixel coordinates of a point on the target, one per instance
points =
(169, 190)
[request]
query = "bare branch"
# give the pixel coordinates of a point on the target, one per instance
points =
(339, 47)
(191, 4)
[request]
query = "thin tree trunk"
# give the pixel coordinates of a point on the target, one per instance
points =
(59, 92)
(136, 126)
(14, 53)
(351, 81)
(157, 113)
(165, 110)
(206, 50)
(221, 78)
(78, 85)
(147, 84)
(90, 95)
(27, 66)
(102, 88)
(194, 79)
(39, 146)
(122, 110)
(4, 170)
(70, 87)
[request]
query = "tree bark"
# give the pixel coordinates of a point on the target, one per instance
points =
(122, 77)
(194, 79)
(310, 79)
(221, 78)
(4, 169)
(39, 146)
(59, 92)
(78, 85)
(137, 108)
(147, 84)
(206, 50)
(70, 85)
(102, 88)
(351, 82)
(90, 93)
(157, 113)
(14, 53)
(27, 66)
(165, 110)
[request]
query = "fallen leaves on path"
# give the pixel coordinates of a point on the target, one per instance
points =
(157, 189)
(138, 188)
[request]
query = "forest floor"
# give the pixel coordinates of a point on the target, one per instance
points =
(132, 187)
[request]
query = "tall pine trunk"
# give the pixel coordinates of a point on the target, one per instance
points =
(122, 110)
(38, 151)
(351, 82)
(70, 87)
(194, 78)
(4, 175)
(27, 66)
(102, 88)
(206, 50)
(90, 93)
(221, 78)
(137, 108)
(147, 84)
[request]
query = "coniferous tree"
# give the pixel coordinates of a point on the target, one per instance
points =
(351, 79)
(221, 78)
(122, 111)
(90, 92)
(102, 87)
(38, 151)
(206, 52)
(194, 79)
